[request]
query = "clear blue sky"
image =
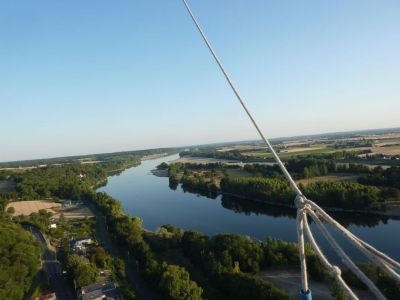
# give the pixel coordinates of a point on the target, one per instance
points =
(94, 76)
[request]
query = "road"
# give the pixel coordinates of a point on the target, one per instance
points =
(52, 268)
(133, 275)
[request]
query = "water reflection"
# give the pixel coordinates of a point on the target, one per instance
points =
(249, 207)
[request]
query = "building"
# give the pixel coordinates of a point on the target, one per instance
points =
(79, 246)
(97, 291)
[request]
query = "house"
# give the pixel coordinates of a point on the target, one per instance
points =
(79, 246)
(97, 291)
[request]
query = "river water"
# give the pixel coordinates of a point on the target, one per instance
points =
(149, 197)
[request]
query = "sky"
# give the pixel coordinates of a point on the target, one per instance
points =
(95, 76)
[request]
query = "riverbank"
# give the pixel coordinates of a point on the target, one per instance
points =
(154, 156)
(392, 211)
(160, 172)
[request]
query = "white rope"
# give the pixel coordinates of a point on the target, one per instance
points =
(301, 220)
(346, 260)
(379, 260)
(333, 269)
(345, 232)
(375, 255)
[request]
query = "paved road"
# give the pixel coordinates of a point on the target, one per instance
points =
(132, 274)
(53, 268)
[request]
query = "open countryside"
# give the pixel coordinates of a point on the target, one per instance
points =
(200, 150)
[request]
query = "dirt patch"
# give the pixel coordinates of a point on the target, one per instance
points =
(26, 208)
(290, 281)
(74, 211)
(70, 211)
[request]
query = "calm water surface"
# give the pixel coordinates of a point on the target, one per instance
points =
(149, 197)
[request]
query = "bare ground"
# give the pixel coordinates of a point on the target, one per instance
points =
(28, 207)
(290, 281)
(73, 211)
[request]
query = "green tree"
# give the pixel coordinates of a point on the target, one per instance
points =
(99, 257)
(19, 260)
(82, 272)
(175, 283)
(11, 210)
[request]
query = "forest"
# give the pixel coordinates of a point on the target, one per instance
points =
(19, 260)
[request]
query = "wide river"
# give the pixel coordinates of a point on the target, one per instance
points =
(149, 197)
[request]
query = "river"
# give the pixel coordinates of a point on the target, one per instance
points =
(149, 197)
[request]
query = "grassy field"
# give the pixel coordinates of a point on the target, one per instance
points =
(234, 173)
(330, 177)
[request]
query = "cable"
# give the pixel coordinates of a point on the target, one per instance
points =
(236, 92)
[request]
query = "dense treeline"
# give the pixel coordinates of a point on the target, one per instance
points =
(329, 193)
(306, 167)
(172, 282)
(5, 198)
(263, 170)
(381, 177)
(343, 194)
(72, 179)
(232, 259)
(269, 189)
(102, 157)
(67, 181)
(310, 166)
(210, 153)
(19, 260)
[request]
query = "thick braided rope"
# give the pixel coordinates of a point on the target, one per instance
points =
(370, 252)
(301, 221)
(345, 258)
(333, 269)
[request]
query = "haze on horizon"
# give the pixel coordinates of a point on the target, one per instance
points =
(99, 76)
